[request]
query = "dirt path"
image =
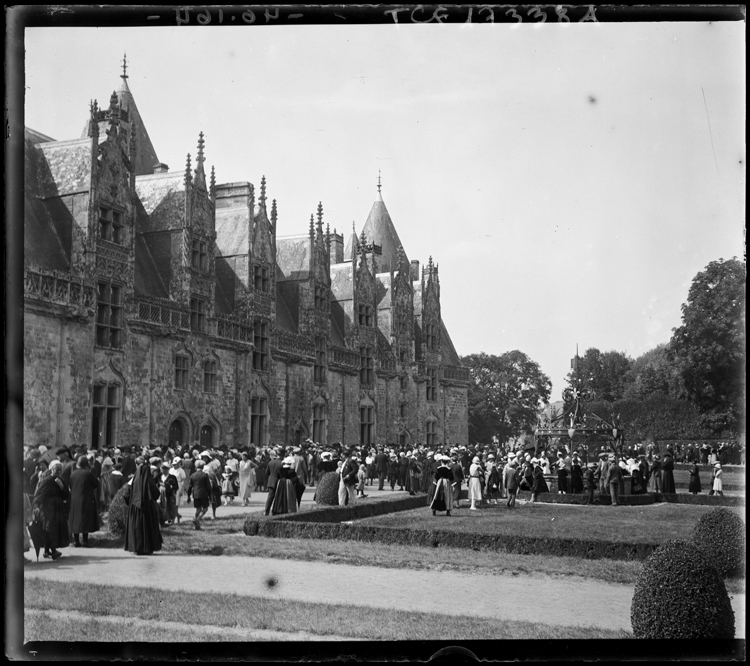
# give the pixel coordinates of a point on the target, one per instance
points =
(503, 597)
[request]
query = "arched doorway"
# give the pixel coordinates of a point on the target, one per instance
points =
(178, 432)
(207, 436)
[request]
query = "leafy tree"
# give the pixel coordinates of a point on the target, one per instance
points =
(505, 395)
(605, 374)
(653, 372)
(709, 347)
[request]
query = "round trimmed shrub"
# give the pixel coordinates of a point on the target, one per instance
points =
(720, 534)
(327, 491)
(118, 512)
(679, 594)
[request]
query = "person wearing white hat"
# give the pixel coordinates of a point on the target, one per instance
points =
(718, 487)
(475, 483)
(442, 499)
(414, 475)
(178, 472)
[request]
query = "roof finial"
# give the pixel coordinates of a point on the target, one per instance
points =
(200, 159)
(213, 182)
(273, 212)
(320, 216)
(312, 226)
(124, 74)
(263, 191)
(188, 176)
(378, 180)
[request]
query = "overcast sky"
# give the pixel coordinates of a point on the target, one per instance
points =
(570, 180)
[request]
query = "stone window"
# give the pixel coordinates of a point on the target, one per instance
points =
(258, 416)
(200, 255)
(260, 340)
(209, 376)
(431, 434)
(197, 315)
(430, 335)
(181, 369)
(110, 225)
(207, 436)
(261, 281)
(403, 381)
(366, 425)
(109, 315)
(321, 302)
(431, 384)
(402, 319)
(365, 315)
(366, 366)
(403, 355)
(319, 422)
(402, 410)
(319, 370)
(105, 417)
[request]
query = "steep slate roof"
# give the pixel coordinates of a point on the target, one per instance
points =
(293, 257)
(44, 244)
(64, 167)
(163, 199)
(146, 279)
(284, 319)
(352, 242)
(379, 229)
(383, 287)
(447, 350)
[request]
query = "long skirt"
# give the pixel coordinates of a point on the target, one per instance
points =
(718, 484)
(247, 483)
(475, 489)
(413, 482)
(443, 498)
(695, 484)
(285, 498)
(142, 533)
(27, 515)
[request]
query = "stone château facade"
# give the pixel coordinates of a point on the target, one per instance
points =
(162, 306)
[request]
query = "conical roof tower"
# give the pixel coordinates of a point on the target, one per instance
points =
(379, 230)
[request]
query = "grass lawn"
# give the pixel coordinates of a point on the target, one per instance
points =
(234, 611)
(655, 523)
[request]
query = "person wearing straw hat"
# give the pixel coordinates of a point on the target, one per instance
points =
(718, 487)
(442, 499)
(475, 483)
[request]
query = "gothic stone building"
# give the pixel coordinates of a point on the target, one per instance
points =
(162, 306)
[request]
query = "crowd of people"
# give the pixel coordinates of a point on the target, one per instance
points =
(67, 491)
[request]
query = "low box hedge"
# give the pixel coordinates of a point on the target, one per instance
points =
(280, 527)
(339, 514)
(705, 500)
(554, 498)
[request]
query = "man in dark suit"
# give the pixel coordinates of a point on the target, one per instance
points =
(200, 488)
(381, 467)
(128, 464)
(272, 474)
(64, 456)
(348, 481)
(458, 478)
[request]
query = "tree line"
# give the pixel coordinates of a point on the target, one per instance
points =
(690, 387)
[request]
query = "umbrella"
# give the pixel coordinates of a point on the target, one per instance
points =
(36, 532)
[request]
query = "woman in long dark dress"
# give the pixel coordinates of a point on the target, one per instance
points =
(84, 514)
(667, 474)
(50, 508)
(442, 500)
(414, 475)
(539, 484)
(142, 533)
(285, 495)
(695, 479)
(576, 477)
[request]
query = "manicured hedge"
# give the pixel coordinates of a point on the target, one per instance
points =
(118, 512)
(703, 500)
(679, 594)
(720, 534)
(282, 527)
(327, 491)
(554, 498)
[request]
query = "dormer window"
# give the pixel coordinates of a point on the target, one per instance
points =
(110, 225)
(200, 255)
(321, 302)
(365, 315)
(431, 337)
(197, 315)
(261, 281)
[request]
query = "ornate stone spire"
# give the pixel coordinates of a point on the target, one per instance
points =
(94, 119)
(213, 183)
(378, 181)
(263, 192)
(114, 112)
(320, 218)
(124, 74)
(188, 172)
(274, 214)
(200, 174)
(201, 142)
(312, 226)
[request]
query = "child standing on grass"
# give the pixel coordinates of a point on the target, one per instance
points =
(227, 486)
(362, 474)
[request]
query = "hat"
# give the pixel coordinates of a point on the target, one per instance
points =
(490, 457)
(177, 461)
(288, 461)
(717, 466)
(54, 464)
(204, 454)
(42, 448)
(164, 466)
(326, 455)
(475, 460)
(82, 460)
(402, 454)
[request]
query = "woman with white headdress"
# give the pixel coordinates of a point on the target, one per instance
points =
(718, 487)
(285, 496)
(442, 500)
(475, 483)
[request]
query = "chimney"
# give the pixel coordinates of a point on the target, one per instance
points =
(414, 271)
(337, 247)
(160, 167)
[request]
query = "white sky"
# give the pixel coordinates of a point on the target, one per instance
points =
(555, 219)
